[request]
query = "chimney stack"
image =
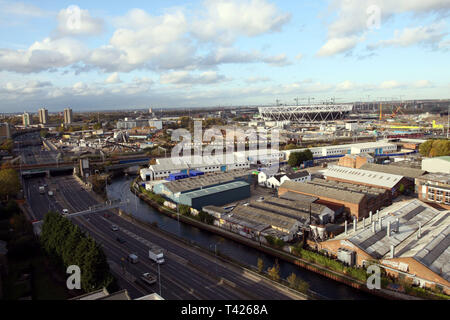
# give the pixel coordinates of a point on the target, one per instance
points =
(370, 216)
(392, 251)
(364, 222)
(355, 224)
(373, 227)
(345, 227)
(378, 214)
(380, 222)
(398, 225)
(420, 230)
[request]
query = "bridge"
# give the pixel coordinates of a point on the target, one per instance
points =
(108, 205)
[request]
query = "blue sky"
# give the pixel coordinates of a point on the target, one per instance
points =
(138, 54)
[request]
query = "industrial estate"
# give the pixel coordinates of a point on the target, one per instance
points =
(221, 156)
(342, 189)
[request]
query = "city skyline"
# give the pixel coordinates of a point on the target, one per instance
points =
(197, 54)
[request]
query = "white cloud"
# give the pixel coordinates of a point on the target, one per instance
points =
(44, 55)
(185, 78)
(225, 20)
(430, 35)
(390, 84)
(339, 45)
(357, 17)
(76, 21)
(113, 78)
(345, 85)
(423, 84)
(299, 57)
(257, 79)
(22, 9)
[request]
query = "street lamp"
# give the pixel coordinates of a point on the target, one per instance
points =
(159, 279)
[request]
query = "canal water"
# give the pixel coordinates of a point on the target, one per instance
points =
(120, 189)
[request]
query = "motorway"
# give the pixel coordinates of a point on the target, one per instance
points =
(32, 151)
(187, 274)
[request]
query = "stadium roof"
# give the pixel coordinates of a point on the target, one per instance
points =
(385, 180)
(322, 191)
(403, 171)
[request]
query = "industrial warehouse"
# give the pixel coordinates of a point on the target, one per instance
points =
(410, 239)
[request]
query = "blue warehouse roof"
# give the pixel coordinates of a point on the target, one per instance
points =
(215, 189)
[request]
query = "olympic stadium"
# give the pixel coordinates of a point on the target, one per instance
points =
(306, 113)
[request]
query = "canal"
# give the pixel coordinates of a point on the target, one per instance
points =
(120, 189)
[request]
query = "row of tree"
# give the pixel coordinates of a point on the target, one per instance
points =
(297, 158)
(435, 148)
(64, 242)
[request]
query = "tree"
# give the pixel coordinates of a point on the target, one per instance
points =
(297, 158)
(97, 126)
(274, 272)
(10, 183)
(260, 265)
(184, 209)
(292, 280)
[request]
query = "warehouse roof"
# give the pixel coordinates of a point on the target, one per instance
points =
(409, 214)
(380, 179)
(403, 171)
(321, 191)
(369, 191)
(437, 177)
(298, 215)
(297, 197)
(316, 209)
(198, 182)
(263, 217)
(215, 189)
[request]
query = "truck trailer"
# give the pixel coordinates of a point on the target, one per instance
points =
(156, 254)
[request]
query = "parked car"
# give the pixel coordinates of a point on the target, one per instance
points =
(50, 193)
(114, 228)
(65, 212)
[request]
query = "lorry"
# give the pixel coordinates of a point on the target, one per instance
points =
(42, 190)
(156, 254)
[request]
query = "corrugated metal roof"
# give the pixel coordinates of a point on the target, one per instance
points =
(402, 171)
(215, 189)
(380, 179)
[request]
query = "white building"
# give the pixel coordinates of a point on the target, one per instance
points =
(436, 165)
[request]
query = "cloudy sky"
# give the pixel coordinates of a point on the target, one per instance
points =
(92, 55)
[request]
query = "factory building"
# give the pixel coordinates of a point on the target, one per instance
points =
(257, 223)
(434, 188)
(356, 200)
(355, 203)
(216, 195)
(166, 166)
(436, 165)
(198, 191)
(410, 239)
(376, 148)
(394, 183)
(409, 173)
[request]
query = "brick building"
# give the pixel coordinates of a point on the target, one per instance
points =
(410, 239)
(434, 188)
(392, 182)
(355, 161)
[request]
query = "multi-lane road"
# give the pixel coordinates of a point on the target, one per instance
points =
(188, 272)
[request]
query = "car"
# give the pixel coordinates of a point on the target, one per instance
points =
(120, 240)
(106, 215)
(65, 212)
(50, 193)
(114, 228)
(148, 278)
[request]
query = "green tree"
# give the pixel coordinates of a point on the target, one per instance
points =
(97, 126)
(10, 183)
(274, 272)
(292, 280)
(260, 265)
(184, 209)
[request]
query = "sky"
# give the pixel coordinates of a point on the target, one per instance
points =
(93, 55)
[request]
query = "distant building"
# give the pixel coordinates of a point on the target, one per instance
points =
(68, 116)
(43, 116)
(434, 188)
(436, 165)
(6, 131)
(355, 161)
(128, 123)
(27, 119)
